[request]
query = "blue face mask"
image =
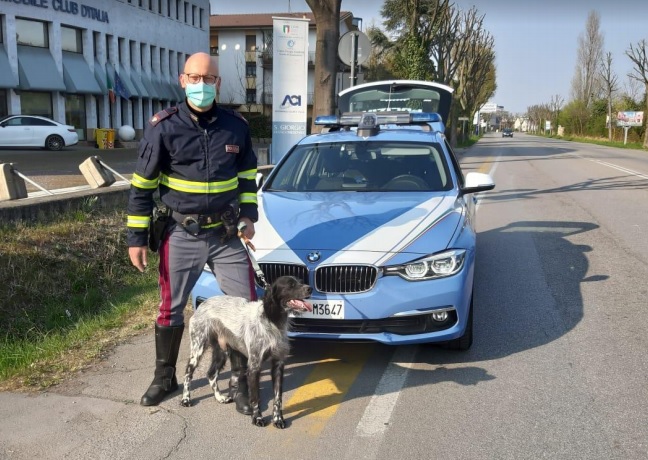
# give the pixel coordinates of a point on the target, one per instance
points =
(200, 94)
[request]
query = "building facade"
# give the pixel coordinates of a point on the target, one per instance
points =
(243, 46)
(97, 63)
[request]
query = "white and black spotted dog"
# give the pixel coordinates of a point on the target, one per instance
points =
(257, 329)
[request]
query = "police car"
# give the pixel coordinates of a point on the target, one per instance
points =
(377, 216)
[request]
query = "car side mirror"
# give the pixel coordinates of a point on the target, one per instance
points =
(477, 182)
(260, 178)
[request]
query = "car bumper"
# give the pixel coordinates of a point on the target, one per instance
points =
(394, 312)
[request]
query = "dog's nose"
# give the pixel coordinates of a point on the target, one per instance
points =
(309, 290)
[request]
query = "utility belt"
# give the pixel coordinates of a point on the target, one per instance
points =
(226, 219)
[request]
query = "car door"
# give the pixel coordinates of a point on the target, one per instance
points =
(16, 131)
(41, 129)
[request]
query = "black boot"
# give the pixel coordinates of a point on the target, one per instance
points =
(239, 383)
(167, 344)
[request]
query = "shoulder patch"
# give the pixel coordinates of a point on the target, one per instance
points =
(162, 114)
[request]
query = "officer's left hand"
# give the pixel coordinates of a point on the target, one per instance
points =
(248, 231)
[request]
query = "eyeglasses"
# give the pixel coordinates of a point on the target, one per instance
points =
(207, 79)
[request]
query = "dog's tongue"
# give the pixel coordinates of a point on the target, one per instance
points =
(300, 305)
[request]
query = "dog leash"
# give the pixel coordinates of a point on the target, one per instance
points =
(249, 247)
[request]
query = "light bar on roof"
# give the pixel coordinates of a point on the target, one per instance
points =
(382, 118)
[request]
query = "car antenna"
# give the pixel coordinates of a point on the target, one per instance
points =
(389, 99)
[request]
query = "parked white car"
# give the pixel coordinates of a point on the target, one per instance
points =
(36, 131)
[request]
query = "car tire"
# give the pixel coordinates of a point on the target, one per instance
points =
(54, 142)
(464, 342)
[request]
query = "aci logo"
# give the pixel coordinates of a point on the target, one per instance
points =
(292, 100)
(286, 29)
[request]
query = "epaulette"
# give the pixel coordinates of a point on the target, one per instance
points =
(237, 115)
(162, 114)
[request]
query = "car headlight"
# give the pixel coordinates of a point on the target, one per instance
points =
(439, 265)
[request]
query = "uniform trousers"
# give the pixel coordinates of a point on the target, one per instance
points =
(182, 259)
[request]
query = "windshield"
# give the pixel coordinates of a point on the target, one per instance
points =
(363, 166)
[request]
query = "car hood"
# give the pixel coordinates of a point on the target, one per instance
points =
(365, 227)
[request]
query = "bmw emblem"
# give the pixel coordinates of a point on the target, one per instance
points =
(313, 257)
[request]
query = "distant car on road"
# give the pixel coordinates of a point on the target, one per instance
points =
(36, 131)
(507, 132)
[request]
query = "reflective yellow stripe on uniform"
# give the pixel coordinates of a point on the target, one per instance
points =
(248, 198)
(198, 187)
(138, 221)
(250, 174)
(141, 182)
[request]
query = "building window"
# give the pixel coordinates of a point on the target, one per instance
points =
(133, 49)
(201, 12)
(34, 103)
(250, 69)
(75, 113)
(71, 39)
(193, 15)
(4, 103)
(31, 33)
(169, 8)
(186, 13)
(250, 96)
(95, 44)
(120, 50)
(142, 55)
(159, 7)
(250, 43)
(108, 46)
(178, 8)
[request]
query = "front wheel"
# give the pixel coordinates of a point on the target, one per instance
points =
(54, 143)
(464, 342)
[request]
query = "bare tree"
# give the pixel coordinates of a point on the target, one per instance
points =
(585, 83)
(327, 18)
(555, 105)
(632, 88)
(637, 55)
(609, 80)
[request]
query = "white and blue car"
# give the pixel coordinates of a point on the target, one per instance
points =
(375, 214)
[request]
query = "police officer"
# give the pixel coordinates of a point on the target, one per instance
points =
(199, 157)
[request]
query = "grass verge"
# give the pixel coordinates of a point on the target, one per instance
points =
(68, 293)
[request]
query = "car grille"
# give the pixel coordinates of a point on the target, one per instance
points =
(404, 325)
(334, 279)
(341, 279)
(272, 271)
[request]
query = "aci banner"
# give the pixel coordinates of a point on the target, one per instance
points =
(289, 84)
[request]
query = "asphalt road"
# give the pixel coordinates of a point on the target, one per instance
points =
(558, 368)
(53, 170)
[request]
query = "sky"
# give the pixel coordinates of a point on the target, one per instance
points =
(536, 42)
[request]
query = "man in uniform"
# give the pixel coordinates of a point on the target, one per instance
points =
(199, 157)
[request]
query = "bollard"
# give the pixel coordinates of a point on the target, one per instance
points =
(95, 174)
(12, 186)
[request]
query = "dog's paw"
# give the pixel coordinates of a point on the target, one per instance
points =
(257, 420)
(223, 398)
(185, 402)
(279, 422)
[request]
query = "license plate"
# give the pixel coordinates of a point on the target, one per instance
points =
(325, 309)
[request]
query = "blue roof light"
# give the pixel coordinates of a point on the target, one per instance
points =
(374, 119)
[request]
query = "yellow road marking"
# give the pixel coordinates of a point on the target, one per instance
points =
(321, 394)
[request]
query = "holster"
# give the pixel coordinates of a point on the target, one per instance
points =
(158, 227)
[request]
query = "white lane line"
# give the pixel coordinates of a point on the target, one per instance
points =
(612, 165)
(492, 174)
(375, 419)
